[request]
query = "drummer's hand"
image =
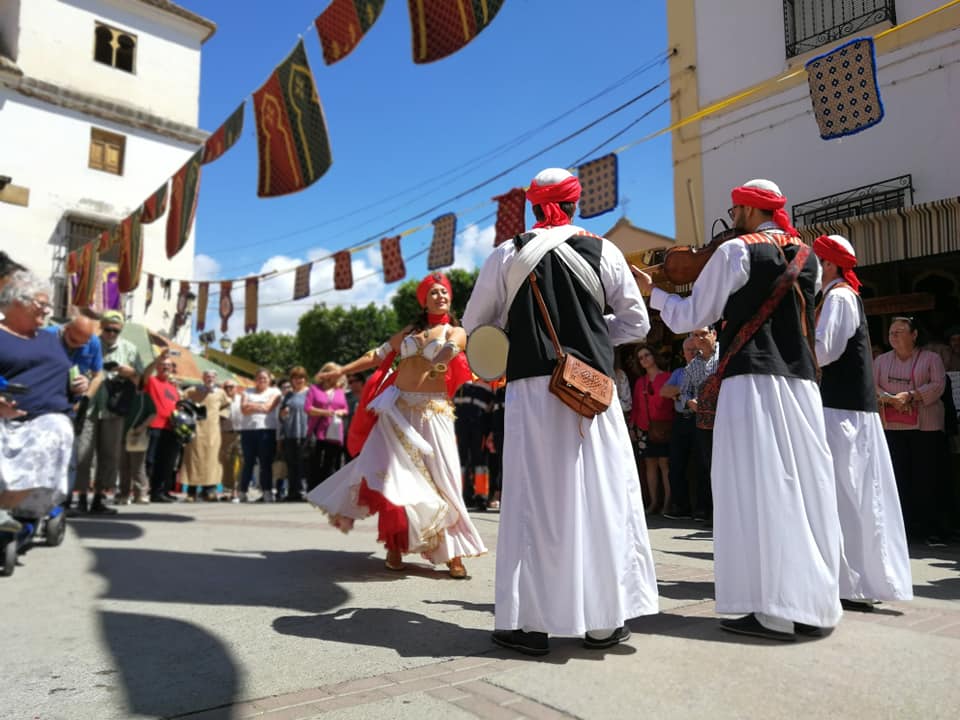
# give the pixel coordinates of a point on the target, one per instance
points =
(8, 409)
(643, 280)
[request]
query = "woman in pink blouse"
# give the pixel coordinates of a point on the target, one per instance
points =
(653, 416)
(326, 407)
(910, 384)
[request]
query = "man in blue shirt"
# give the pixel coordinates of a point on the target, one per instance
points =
(699, 369)
(681, 438)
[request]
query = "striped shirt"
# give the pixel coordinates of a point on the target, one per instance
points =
(698, 370)
(892, 375)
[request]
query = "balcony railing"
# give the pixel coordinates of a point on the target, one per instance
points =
(885, 195)
(808, 24)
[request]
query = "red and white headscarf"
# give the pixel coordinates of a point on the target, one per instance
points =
(549, 188)
(765, 195)
(436, 278)
(838, 250)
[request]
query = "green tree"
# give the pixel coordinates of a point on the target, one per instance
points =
(405, 301)
(338, 334)
(274, 351)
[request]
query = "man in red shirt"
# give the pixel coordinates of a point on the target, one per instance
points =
(163, 449)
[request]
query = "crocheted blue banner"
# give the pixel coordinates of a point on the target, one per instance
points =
(844, 89)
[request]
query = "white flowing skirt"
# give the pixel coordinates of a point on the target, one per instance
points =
(776, 531)
(35, 455)
(875, 563)
(573, 553)
(410, 458)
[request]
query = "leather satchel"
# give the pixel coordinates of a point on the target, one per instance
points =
(710, 392)
(582, 388)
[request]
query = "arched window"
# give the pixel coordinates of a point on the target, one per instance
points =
(103, 48)
(114, 47)
(126, 46)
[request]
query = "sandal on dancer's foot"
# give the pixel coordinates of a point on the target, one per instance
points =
(394, 560)
(457, 570)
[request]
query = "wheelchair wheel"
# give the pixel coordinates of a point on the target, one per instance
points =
(9, 558)
(56, 530)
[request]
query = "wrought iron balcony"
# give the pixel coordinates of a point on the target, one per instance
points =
(885, 195)
(808, 24)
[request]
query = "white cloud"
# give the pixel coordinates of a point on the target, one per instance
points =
(473, 246)
(205, 267)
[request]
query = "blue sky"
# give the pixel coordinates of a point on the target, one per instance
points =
(404, 135)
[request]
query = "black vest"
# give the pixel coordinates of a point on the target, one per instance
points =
(576, 317)
(847, 383)
(779, 346)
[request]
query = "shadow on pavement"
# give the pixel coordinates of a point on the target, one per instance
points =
(696, 554)
(686, 589)
(477, 607)
(302, 580)
(170, 667)
(410, 634)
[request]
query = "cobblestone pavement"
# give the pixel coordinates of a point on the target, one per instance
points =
(203, 611)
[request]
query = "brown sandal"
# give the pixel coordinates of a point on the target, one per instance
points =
(457, 570)
(394, 560)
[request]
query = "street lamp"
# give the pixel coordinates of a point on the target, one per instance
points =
(225, 343)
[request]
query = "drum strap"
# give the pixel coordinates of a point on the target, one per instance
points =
(535, 250)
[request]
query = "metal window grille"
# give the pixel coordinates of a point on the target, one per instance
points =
(885, 195)
(809, 24)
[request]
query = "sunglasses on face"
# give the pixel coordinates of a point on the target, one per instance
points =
(110, 331)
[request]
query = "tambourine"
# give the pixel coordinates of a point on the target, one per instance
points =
(487, 350)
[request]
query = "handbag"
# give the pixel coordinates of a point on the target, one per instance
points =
(335, 430)
(710, 392)
(582, 388)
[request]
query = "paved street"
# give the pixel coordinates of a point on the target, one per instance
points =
(239, 611)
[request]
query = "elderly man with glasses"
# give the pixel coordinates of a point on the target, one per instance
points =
(115, 398)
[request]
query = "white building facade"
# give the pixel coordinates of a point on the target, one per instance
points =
(892, 189)
(99, 105)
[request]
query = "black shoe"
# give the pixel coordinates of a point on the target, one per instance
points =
(934, 542)
(856, 605)
(293, 498)
(678, 515)
(100, 508)
(617, 636)
(528, 643)
(82, 504)
(811, 630)
(749, 625)
(161, 498)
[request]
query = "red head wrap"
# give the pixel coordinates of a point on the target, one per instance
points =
(826, 248)
(423, 289)
(765, 200)
(548, 198)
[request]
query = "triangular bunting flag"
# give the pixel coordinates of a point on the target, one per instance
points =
(301, 281)
(510, 215)
(183, 204)
(86, 271)
(342, 271)
(292, 138)
(225, 136)
(155, 205)
(441, 248)
(393, 267)
(203, 297)
(226, 304)
(250, 303)
(441, 27)
(131, 254)
(343, 24)
(598, 178)
(149, 296)
(844, 90)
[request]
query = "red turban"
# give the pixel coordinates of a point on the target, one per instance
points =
(831, 250)
(765, 200)
(548, 198)
(423, 289)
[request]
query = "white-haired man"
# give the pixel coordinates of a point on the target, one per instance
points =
(874, 564)
(574, 557)
(776, 531)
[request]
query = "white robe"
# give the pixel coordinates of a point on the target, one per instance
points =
(874, 562)
(776, 531)
(573, 553)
